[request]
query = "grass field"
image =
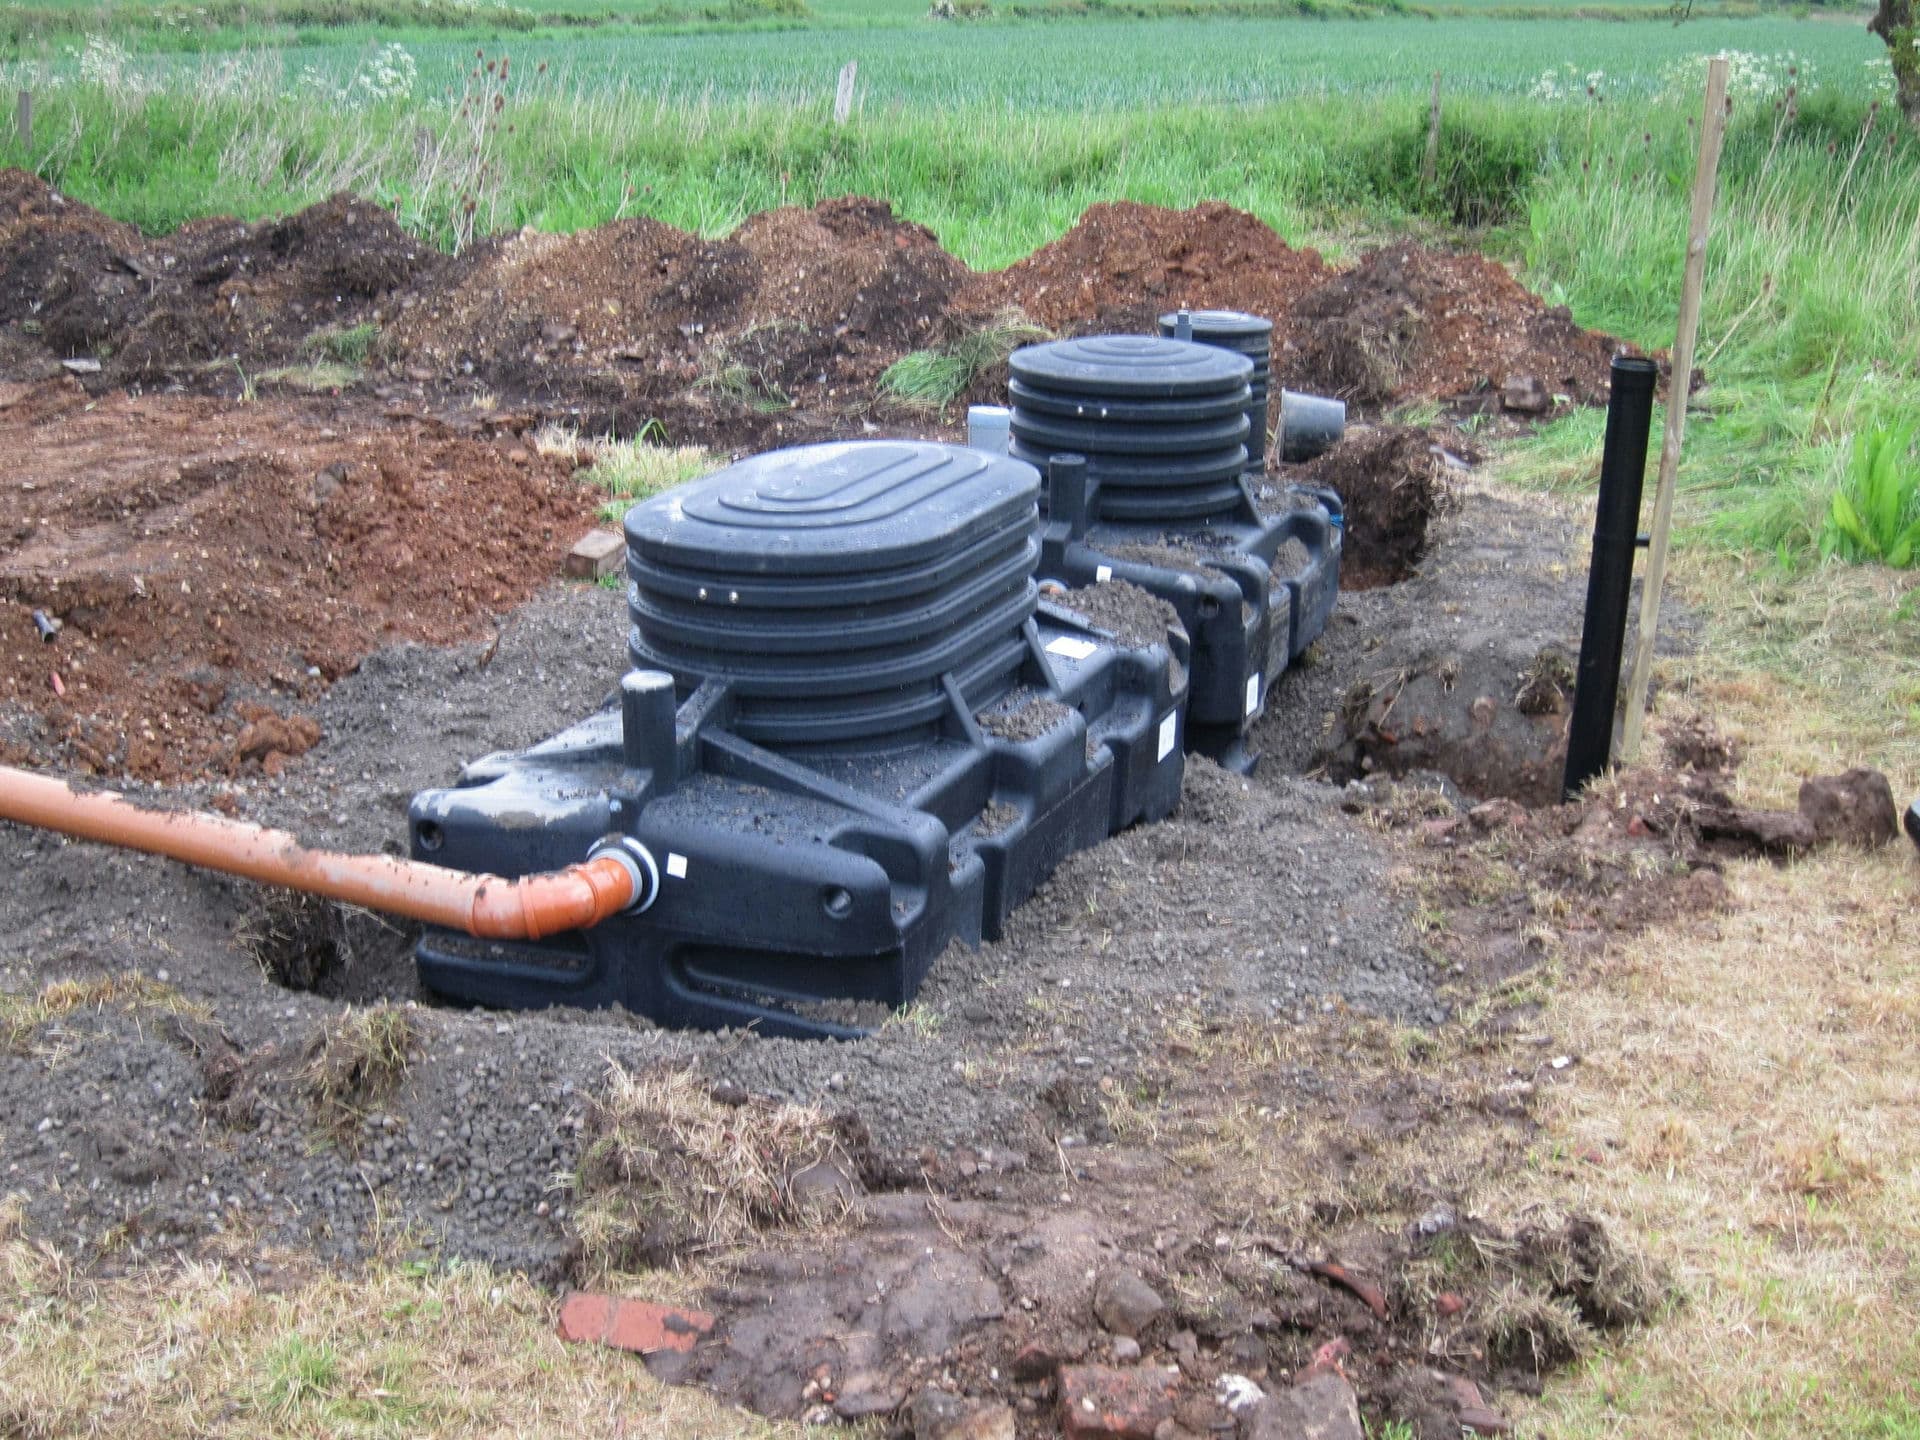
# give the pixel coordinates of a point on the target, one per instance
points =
(1028, 68)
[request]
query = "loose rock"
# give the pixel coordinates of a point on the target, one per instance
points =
(1125, 1303)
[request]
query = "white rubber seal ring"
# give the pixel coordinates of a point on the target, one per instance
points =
(640, 864)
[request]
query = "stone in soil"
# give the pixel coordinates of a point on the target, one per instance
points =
(938, 1415)
(1125, 1303)
(1320, 1407)
(1098, 1402)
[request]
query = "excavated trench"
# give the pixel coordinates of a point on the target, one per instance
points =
(414, 631)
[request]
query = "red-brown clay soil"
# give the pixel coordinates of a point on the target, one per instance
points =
(776, 332)
(212, 566)
(1126, 264)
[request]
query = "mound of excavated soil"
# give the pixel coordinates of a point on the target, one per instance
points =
(215, 291)
(64, 280)
(1391, 482)
(776, 333)
(263, 291)
(1409, 323)
(1124, 264)
(213, 565)
(795, 307)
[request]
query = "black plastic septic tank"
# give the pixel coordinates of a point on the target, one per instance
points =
(1162, 423)
(1144, 441)
(834, 586)
(852, 732)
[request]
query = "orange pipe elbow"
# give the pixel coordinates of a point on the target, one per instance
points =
(608, 883)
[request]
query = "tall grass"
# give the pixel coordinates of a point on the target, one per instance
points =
(1811, 306)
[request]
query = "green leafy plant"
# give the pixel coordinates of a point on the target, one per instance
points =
(1875, 513)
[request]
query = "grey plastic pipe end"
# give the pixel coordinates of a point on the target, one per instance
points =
(1310, 425)
(989, 428)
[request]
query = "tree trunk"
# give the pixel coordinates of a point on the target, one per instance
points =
(1895, 24)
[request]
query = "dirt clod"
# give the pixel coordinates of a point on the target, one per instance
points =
(668, 1172)
(357, 1060)
(1125, 1303)
(1855, 808)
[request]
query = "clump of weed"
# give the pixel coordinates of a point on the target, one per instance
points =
(1546, 686)
(744, 369)
(1827, 1168)
(346, 344)
(631, 469)
(1529, 1329)
(1874, 514)
(295, 1376)
(934, 379)
(1582, 1263)
(1540, 1298)
(670, 1172)
(358, 1059)
(297, 940)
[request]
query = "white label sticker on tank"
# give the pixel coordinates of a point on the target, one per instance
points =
(1253, 692)
(1071, 647)
(1169, 728)
(676, 865)
(1102, 574)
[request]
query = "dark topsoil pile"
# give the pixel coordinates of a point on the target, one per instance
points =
(214, 293)
(773, 334)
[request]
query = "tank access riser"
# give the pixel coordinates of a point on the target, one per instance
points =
(1144, 443)
(851, 735)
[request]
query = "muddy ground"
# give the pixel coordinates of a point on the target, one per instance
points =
(1193, 1058)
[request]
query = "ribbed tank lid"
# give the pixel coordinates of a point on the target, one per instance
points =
(844, 508)
(1130, 365)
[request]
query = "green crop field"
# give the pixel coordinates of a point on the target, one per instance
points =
(1043, 66)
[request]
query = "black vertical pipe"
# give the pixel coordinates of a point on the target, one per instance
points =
(1616, 527)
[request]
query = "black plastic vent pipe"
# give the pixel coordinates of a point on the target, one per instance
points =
(1616, 526)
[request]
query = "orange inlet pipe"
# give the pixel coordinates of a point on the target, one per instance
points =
(608, 882)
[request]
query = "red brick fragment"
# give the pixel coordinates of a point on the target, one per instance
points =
(636, 1325)
(1098, 1402)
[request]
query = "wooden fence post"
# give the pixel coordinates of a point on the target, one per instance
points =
(23, 121)
(1713, 129)
(843, 97)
